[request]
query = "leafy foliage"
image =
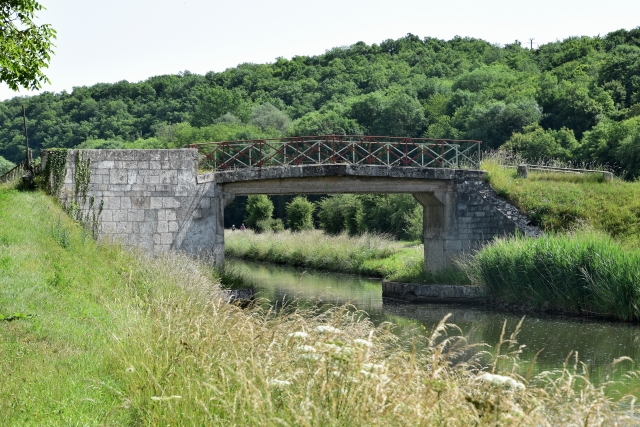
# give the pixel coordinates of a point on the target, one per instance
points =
(575, 99)
(5, 165)
(259, 208)
(25, 47)
(300, 214)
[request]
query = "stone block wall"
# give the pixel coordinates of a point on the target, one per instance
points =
(151, 199)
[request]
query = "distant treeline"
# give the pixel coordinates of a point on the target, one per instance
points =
(577, 100)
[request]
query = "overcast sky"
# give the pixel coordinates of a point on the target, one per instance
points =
(109, 41)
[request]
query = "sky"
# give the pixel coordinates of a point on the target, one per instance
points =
(110, 41)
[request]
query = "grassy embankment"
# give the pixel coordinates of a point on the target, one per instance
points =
(588, 263)
(95, 335)
(367, 254)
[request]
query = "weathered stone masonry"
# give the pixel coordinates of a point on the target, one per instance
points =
(155, 199)
(151, 199)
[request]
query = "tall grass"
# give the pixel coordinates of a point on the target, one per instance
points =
(367, 254)
(584, 272)
(111, 337)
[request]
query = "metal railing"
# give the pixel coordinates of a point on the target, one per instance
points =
(13, 174)
(332, 149)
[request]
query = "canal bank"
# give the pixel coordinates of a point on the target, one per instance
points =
(597, 342)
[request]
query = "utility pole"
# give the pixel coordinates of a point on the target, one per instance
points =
(27, 178)
(531, 41)
(27, 160)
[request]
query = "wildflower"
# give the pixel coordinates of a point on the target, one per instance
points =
(279, 383)
(309, 356)
(130, 369)
(364, 343)
(500, 380)
(372, 367)
(307, 349)
(327, 329)
(329, 347)
(299, 334)
(160, 398)
(348, 351)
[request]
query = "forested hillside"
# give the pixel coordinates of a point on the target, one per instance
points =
(576, 99)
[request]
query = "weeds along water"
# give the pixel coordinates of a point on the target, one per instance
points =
(121, 339)
(367, 254)
(582, 272)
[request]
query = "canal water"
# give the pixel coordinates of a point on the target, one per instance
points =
(597, 342)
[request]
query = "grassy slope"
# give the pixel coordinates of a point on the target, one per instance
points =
(52, 365)
(563, 202)
(122, 340)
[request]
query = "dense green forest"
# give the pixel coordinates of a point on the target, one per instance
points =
(577, 99)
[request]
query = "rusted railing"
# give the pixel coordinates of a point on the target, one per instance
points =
(331, 149)
(13, 174)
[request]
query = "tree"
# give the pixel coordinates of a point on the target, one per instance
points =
(259, 208)
(300, 214)
(267, 116)
(5, 165)
(25, 48)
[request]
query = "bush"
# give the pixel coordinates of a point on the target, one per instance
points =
(300, 214)
(259, 208)
(277, 225)
(263, 226)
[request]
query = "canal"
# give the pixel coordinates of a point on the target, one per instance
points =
(597, 342)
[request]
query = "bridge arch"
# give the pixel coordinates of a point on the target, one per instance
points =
(157, 200)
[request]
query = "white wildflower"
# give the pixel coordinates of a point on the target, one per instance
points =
(130, 369)
(327, 329)
(159, 398)
(348, 351)
(368, 374)
(279, 383)
(299, 334)
(328, 347)
(309, 356)
(500, 380)
(307, 349)
(372, 367)
(364, 343)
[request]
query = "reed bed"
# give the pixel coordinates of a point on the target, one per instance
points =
(583, 272)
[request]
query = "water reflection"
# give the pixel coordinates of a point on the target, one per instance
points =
(598, 343)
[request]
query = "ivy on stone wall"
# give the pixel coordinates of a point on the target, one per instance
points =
(83, 176)
(55, 170)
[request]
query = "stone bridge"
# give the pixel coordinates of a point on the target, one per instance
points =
(157, 201)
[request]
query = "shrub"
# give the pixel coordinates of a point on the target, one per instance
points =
(259, 208)
(277, 225)
(300, 214)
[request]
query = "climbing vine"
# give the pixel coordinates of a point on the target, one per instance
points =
(55, 170)
(75, 204)
(88, 216)
(83, 176)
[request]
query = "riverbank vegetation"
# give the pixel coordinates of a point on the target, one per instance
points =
(564, 202)
(584, 273)
(94, 334)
